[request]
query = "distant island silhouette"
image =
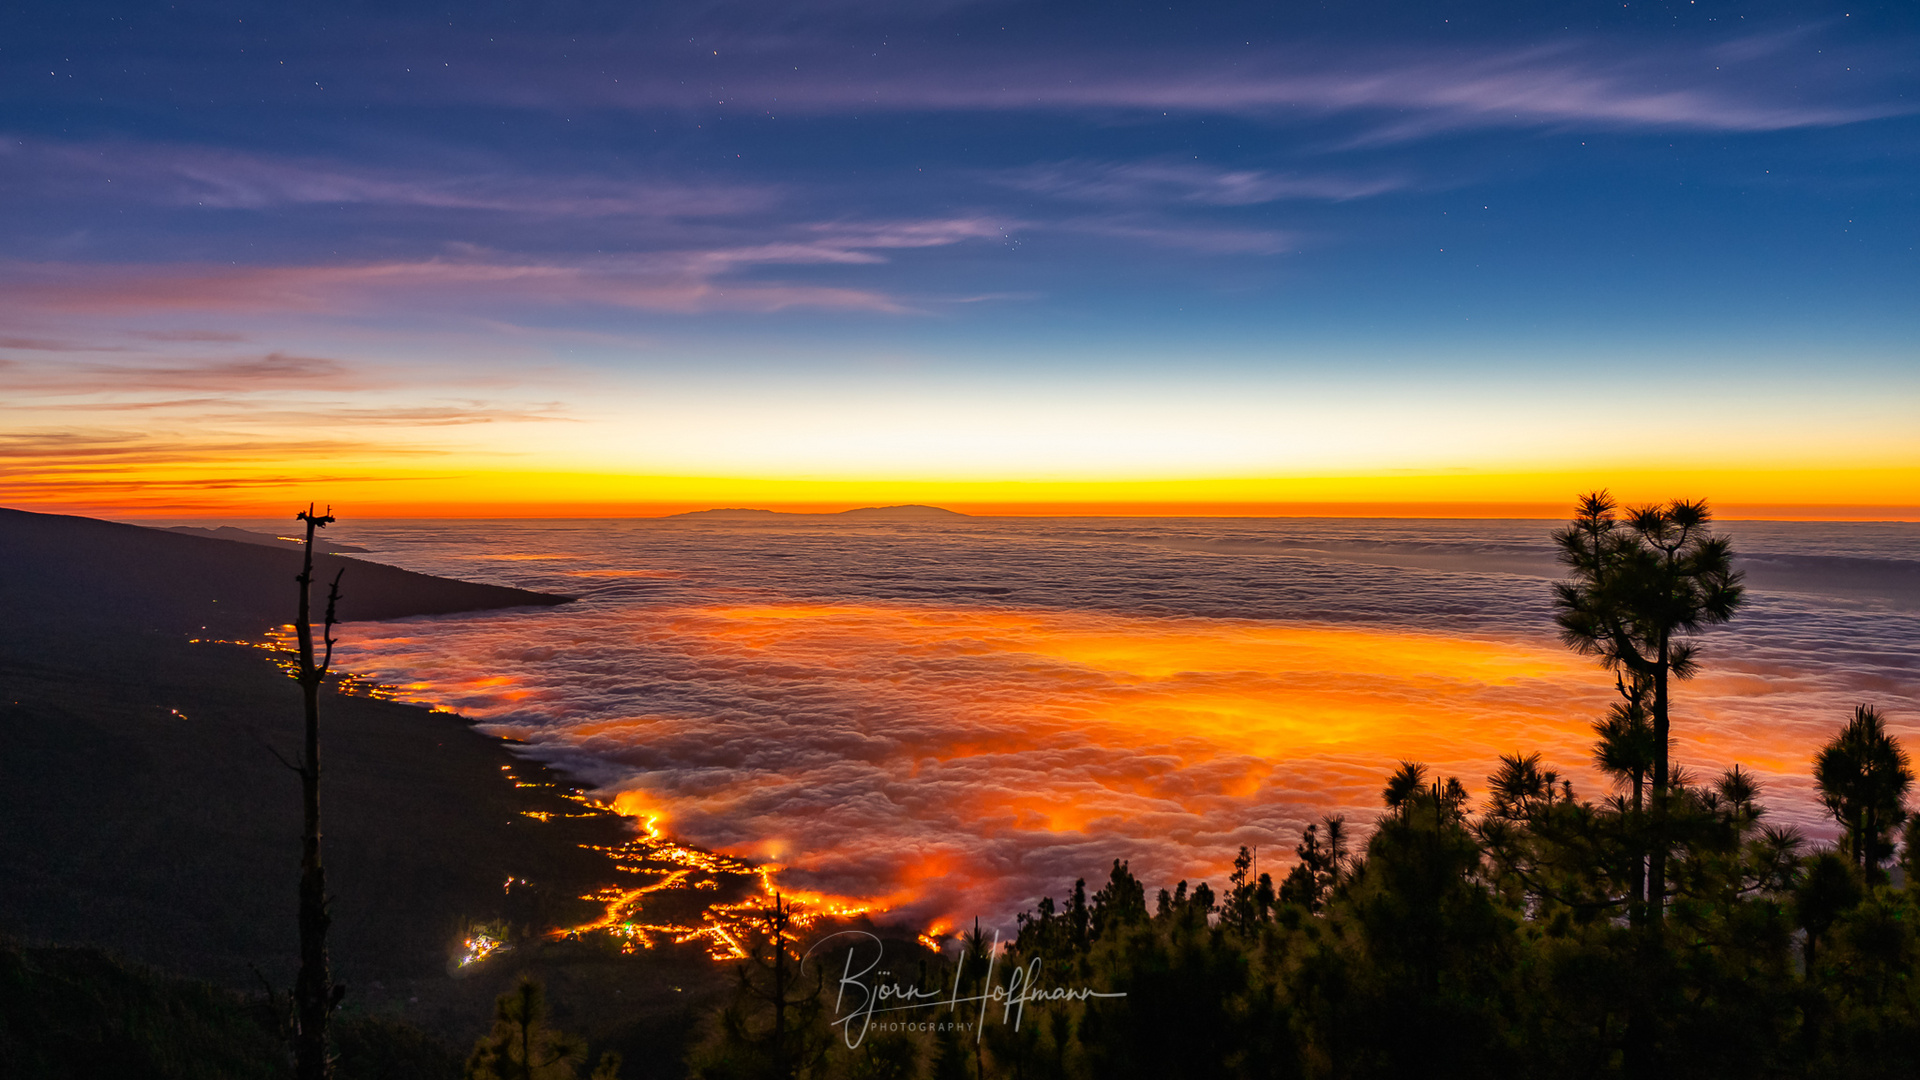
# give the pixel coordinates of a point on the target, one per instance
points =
(864, 513)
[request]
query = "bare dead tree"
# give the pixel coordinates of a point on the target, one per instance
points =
(793, 1041)
(315, 995)
(777, 927)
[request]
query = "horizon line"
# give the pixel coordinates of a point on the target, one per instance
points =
(1417, 510)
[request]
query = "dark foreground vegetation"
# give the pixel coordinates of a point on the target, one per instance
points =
(1451, 943)
(1665, 928)
(78, 1012)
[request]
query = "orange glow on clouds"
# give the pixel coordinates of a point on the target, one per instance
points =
(937, 761)
(1198, 690)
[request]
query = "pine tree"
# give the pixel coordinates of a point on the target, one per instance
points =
(522, 1047)
(1640, 588)
(1864, 777)
(773, 1029)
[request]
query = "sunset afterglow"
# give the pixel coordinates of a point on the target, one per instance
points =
(1276, 262)
(1315, 539)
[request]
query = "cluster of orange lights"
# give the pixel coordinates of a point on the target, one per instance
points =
(671, 867)
(477, 947)
(674, 866)
(722, 925)
(282, 649)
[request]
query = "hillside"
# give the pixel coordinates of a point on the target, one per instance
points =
(76, 570)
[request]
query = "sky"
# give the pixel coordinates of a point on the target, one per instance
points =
(591, 258)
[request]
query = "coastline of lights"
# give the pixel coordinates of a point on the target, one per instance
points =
(722, 925)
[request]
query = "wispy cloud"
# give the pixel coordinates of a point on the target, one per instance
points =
(1173, 182)
(1395, 92)
(937, 232)
(54, 454)
(201, 336)
(453, 282)
(1710, 83)
(1160, 232)
(843, 243)
(237, 409)
(453, 415)
(95, 406)
(233, 179)
(865, 57)
(54, 345)
(272, 370)
(683, 281)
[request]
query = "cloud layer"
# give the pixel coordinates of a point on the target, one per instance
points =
(952, 721)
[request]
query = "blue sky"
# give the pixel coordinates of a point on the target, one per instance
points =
(411, 220)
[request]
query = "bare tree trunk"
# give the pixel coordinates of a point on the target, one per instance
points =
(781, 1067)
(1657, 875)
(1637, 909)
(1641, 1055)
(314, 993)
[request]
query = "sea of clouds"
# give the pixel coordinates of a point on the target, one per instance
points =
(950, 719)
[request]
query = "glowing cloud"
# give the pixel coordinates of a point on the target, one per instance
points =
(942, 761)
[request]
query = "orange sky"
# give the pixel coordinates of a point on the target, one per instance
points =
(224, 488)
(190, 424)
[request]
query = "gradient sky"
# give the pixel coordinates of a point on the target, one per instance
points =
(638, 257)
